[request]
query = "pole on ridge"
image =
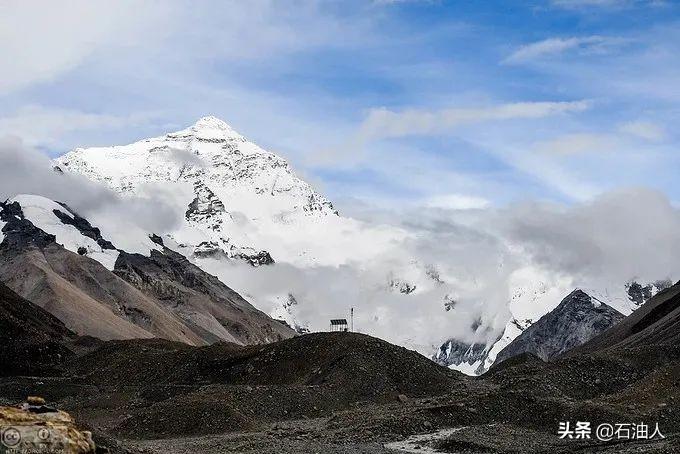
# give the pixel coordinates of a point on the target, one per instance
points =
(351, 317)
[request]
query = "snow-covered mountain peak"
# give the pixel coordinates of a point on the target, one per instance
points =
(210, 122)
(209, 128)
(237, 199)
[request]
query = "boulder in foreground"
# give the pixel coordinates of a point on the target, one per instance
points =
(35, 427)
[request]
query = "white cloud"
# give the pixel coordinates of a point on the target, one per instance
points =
(555, 46)
(616, 236)
(41, 126)
(382, 123)
(577, 143)
(42, 40)
(644, 130)
(23, 170)
(261, 28)
(456, 202)
(478, 255)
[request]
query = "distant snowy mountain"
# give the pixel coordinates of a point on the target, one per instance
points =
(533, 294)
(237, 198)
(477, 358)
(537, 301)
(641, 293)
(463, 357)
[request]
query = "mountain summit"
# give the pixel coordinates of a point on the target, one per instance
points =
(210, 127)
(233, 194)
(210, 122)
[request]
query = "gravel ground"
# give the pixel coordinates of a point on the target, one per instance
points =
(351, 394)
(306, 439)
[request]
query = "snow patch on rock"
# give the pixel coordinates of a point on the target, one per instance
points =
(41, 212)
(286, 311)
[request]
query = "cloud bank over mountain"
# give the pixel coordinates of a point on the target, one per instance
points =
(24, 170)
(467, 258)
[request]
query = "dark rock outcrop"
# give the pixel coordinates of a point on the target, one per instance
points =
(657, 322)
(256, 258)
(196, 296)
(70, 217)
(457, 353)
(402, 286)
(577, 319)
(206, 207)
(211, 249)
(33, 340)
(18, 231)
(640, 294)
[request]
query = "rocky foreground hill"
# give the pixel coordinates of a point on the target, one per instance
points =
(345, 392)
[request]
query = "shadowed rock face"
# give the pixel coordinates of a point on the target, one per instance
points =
(640, 294)
(577, 319)
(455, 353)
(657, 322)
(32, 339)
(20, 232)
(87, 297)
(201, 300)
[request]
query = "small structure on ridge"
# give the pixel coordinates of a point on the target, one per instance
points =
(339, 324)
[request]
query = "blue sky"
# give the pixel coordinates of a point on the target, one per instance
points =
(388, 103)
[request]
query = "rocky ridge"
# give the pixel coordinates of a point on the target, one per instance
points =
(476, 359)
(576, 320)
(98, 290)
